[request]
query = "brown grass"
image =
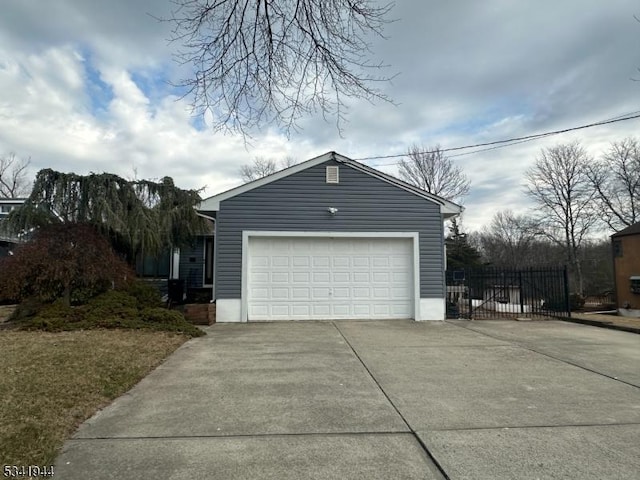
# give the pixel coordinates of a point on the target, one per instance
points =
(6, 311)
(52, 382)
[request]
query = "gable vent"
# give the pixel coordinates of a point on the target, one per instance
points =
(332, 174)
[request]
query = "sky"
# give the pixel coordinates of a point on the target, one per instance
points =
(85, 86)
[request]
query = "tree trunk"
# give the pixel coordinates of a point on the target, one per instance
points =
(66, 295)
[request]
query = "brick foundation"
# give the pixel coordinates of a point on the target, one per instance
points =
(200, 313)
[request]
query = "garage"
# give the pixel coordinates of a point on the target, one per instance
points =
(329, 238)
(325, 277)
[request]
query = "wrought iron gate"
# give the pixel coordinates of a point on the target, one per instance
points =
(490, 292)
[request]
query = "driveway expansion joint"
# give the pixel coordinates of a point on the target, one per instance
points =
(246, 435)
(563, 360)
(422, 444)
(519, 427)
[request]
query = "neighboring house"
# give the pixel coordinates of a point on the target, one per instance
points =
(329, 238)
(192, 264)
(626, 269)
(7, 242)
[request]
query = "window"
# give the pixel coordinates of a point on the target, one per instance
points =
(150, 266)
(6, 208)
(635, 284)
(617, 248)
(208, 260)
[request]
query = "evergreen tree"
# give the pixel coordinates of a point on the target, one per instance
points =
(460, 254)
(135, 215)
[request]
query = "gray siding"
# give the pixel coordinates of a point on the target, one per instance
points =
(299, 202)
(192, 263)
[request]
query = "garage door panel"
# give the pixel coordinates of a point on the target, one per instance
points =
(341, 310)
(361, 292)
(363, 310)
(321, 293)
(341, 277)
(301, 310)
(298, 293)
(322, 310)
(280, 311)
(280, 293)
(302, 278)
(320, 262)
(260, 293)
(381, 262)
(382, 293)
(279, 261)
(280, 277)
(362, 262)
(361, 277)
(341, 261)
(260, 261)
(301, 262)
(259, 310)
(261, 277)
(381, 277)
(341, 292)
(321, 277)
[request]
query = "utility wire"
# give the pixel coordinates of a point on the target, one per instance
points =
(512, 141)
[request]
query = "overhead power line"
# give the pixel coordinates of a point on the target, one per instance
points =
(513, 141)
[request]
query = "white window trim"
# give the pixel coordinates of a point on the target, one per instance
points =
(248, 234)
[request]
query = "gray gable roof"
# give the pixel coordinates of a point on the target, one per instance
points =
(447, 208)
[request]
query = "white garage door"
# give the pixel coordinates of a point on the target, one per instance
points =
(307, 278)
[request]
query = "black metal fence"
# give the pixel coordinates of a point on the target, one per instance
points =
(490, 292)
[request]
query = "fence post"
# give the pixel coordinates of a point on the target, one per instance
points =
(467, 275)
(566, 292)
(521, 291)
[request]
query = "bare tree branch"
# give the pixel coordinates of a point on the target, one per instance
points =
(261, 167)
(560, 185)
(510, 239)
(13, 176)
(258, 62)
(616, 180)
(431, 170)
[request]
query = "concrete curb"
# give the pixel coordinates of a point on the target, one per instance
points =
(595, 323)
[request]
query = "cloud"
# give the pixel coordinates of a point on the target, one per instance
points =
(86, 86)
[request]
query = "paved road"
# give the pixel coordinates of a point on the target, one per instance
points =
(376, 400)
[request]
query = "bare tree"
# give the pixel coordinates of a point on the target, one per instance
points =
(431, 170)
(13, 176)
(509, 240)
(264, 61)
(616, 180)
(261, 167)
(560, 185)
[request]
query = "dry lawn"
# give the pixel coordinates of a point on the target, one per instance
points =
(6, 311)
(52, 382)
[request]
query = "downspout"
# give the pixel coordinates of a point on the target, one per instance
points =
(215, 249)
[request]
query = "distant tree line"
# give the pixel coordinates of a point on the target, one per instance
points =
(577, 199)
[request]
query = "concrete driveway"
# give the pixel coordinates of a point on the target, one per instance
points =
(376, 400)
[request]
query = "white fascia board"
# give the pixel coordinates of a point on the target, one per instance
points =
(212, 204)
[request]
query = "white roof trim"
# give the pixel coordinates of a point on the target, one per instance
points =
(447, 208)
